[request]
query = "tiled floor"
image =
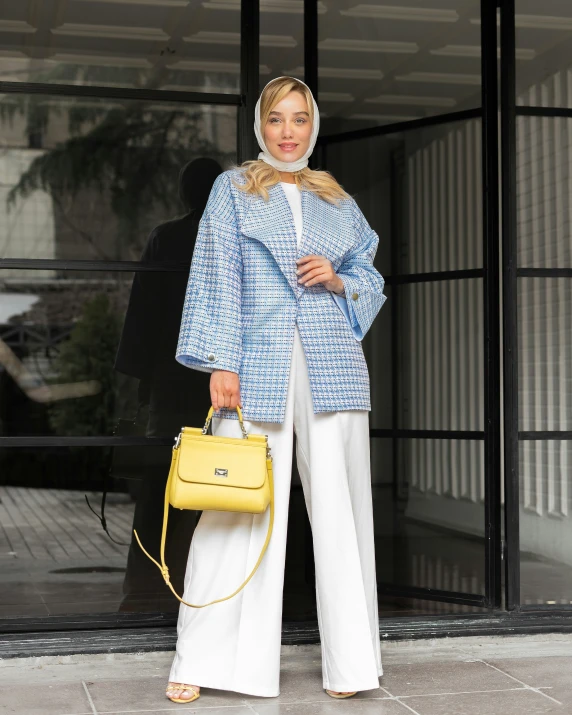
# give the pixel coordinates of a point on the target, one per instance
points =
(465, 676)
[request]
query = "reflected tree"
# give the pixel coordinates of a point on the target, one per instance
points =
(125, 155)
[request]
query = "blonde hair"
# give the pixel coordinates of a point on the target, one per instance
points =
(260, 176)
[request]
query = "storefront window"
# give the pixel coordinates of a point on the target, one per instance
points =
(90, 298)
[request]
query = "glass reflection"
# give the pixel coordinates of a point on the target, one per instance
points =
(175, 395)
(545, 522)
(282, 40)
(382, 64)
(89, 178)
(544, 186)
(545, 353)
(429, 513)
(543, 53)
(59, 337)
(95, 373)
(59, 560)
(81, 350)
(164, 44)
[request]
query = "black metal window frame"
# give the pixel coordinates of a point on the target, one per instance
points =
(502, 618)
(489, 273)
(511, 273)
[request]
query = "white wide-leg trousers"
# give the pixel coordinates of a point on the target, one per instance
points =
(235, 645)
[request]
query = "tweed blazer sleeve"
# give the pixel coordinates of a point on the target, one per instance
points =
(363, 284)
(210, 336)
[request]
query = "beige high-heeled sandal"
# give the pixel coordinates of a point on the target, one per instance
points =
(334, 694)
(184, 688)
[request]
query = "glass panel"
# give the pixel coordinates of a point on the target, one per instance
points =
(89, 179)
(57, 559)
(544, 187)
(71, 364)
(428, 521)
(441, 366)
(281, 41)
(159, 44)
(429, 514)
(421, 191)
(543, 53)
(545, 522)
(545, 353)
(381, 64)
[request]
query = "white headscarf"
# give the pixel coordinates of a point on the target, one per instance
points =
(266, 156)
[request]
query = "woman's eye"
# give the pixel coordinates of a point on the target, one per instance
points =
(275, 119)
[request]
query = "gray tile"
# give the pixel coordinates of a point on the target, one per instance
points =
(515, 702)
(44, 699)
(562, 693)
(538, 672)
(298, 686)
(148, 693)
(145, 694)
(352, 706)
(455, 677)
(240, 710)
(552, 674)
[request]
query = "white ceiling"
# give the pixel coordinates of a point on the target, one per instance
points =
(379, 62)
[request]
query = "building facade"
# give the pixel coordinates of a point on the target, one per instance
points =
(450, 122)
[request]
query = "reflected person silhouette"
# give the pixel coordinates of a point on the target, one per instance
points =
(176, 395)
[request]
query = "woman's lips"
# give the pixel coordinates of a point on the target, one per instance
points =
(287, 147)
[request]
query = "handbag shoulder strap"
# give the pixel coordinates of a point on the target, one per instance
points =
(163, 566)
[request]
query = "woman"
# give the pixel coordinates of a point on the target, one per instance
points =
(281, 291)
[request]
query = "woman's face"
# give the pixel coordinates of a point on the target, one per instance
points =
(288, 128)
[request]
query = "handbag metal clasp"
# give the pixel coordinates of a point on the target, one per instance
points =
(178, 440)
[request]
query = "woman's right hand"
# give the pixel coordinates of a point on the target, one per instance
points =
(225, 389)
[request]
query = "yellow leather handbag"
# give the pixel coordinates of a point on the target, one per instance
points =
(221, 473)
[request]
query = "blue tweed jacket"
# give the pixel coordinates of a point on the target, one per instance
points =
(243, 298)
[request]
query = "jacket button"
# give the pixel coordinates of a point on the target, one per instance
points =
(355, 296)
(211, 357)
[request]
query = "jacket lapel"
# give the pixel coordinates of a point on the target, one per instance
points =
(324, 230)
(272, 224)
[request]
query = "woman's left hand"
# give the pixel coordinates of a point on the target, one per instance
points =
(314, 269)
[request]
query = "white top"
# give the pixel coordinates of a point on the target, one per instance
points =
(294, 197)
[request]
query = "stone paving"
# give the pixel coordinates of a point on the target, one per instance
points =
(462, 676)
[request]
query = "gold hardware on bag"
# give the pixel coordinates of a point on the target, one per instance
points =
(198, 462)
